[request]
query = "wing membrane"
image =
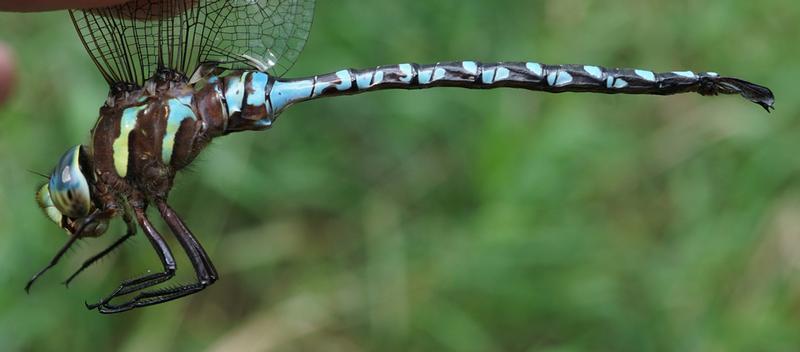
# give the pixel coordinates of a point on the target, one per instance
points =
(131, 41)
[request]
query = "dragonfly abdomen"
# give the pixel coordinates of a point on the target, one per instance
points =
(525, 75)
(251, 100)
(236, 102)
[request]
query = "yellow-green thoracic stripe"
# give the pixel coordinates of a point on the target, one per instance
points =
(120, 146)
(179, 110)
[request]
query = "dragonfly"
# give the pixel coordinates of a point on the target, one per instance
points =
(184, 72)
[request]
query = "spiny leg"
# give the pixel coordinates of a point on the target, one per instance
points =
(130, 232)
(164, 254)
(89, 219)
(205, 271)
(188, 240)
(154, 297)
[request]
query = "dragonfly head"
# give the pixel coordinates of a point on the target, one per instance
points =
(67, 197)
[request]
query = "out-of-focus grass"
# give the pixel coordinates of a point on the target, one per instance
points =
(449, 220)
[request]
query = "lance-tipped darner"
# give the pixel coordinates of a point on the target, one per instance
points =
(158, 117)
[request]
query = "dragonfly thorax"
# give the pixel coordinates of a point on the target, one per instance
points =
(164, 82)
(145, 137)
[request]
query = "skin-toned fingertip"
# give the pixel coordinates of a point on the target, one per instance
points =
(7, 72)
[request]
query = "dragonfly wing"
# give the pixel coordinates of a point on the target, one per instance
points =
(131, 41)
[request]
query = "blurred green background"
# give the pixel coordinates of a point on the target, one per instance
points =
(448, 220)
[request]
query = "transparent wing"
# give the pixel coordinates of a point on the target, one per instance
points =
(130, 42)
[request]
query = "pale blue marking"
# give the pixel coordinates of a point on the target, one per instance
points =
(284, 94)
(429, 75)
(213, 79)
(551, 78)
(502, 74)
(408, 71)
(425, 76)
(559, 78)
(471, 67)
(564, 78)
(618, 83)
(595, 71)
(263, 123)
(185, 100)
(178, 111)
(535, 68)
(438, 74)
(345, 84)
(258, 96)
(378, 77)
(129, 117)
(488, 76)
(648, 75)
(347, 80)
(141, 99)
(234, 94)
(321, 87)
(687, 74)
(364, 80)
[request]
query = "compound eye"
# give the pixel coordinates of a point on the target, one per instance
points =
(68, 187)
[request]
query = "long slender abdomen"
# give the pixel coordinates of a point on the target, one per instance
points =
(251, 100)
(525, 75)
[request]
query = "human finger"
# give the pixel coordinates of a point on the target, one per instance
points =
(47, 5)
(7, 74)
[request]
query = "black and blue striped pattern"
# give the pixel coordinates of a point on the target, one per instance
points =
(280, 94)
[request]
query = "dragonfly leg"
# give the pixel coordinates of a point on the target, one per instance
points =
(88, 220)
(164, 254)
(204, 269)
(154, 297)
(130, 232)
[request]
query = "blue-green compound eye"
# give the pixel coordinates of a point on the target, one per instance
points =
(68, 187)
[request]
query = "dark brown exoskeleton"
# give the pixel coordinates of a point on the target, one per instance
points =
(122, 172)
